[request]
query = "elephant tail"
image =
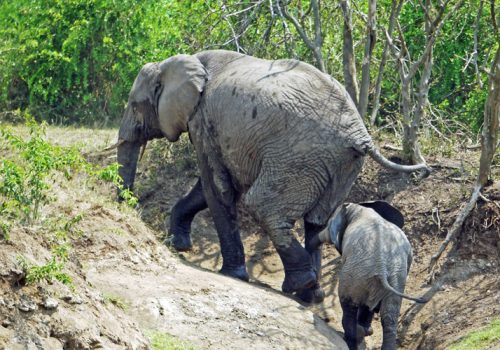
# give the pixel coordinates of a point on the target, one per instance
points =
(387, 286)
(379, 158)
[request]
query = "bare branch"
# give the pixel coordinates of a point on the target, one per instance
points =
(315, 46)
(395, 10)
(348, 59)
(475, 53)
(493, 16)
(369, 45)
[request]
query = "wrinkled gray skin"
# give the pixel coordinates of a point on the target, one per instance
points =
(281, 136)
(376, 258)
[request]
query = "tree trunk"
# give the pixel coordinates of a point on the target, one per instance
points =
(316, 44)
(395, 9)
(489, 135)
(348, 60)
(369, 44)
(411, 148)
(422, 100)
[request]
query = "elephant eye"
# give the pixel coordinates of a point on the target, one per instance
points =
(134, 107)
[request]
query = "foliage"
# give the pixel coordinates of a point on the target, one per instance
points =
(116, 301)
(479, 339)
(164, 341)
(25, 176)
(75, 61)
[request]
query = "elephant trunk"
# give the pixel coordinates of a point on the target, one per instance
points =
(128, 154)
(379, 158)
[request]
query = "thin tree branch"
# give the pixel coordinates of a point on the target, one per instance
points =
(395, 10)
(436, 26)
(475, 53)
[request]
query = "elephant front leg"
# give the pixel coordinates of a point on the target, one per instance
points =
(315, 294)
(221, 201)
(182, 216)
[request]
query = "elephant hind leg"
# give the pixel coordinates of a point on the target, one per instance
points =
(316, 294)
(299, 272)
(183, 214)
(389, 315)
(279, 196)
(350, 323)
(365, 317)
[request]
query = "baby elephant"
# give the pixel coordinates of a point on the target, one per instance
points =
(376, 258)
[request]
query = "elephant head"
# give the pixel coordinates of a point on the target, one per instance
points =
(163, 97)
(344, 214)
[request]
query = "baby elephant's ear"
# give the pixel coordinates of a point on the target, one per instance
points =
(387, 211)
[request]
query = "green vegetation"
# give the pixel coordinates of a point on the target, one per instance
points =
(479, 339)
(75, 61)
(164, 341)
(27, 170)
(117, 301)
(26, 174)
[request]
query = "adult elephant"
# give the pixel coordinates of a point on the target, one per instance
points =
(280, 135)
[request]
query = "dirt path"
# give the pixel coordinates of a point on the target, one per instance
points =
(209, 310)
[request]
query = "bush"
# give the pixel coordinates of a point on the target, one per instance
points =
(72, 61)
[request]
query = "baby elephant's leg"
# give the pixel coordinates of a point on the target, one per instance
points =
(350, 323)
(365, 317)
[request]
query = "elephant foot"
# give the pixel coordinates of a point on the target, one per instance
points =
(239, 272)
(181, 243)
(297, 281)
(314, 295)
(368, 331)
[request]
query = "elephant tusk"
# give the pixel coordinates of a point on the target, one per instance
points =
(116, 145)
(143, 149)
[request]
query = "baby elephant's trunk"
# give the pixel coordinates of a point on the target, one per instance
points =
(317, 240)
(385, 283)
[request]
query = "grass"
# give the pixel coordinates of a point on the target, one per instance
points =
(117, 301)
(165, 341)
(479, 339)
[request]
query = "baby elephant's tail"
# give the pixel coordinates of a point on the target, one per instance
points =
(387, 286)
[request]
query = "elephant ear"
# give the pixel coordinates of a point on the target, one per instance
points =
(336, 227)
(387, 211)
(182, 80)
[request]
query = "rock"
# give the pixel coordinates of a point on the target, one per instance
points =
(73, 299)
(26, 304)
(50, 303)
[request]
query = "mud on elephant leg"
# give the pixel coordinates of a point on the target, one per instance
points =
(299, 274)
(297, 262)
(182, 216)
(222, 205)
(316, 294)
(350, 323)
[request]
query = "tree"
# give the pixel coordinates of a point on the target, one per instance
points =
(489, 141)
(369, 44)
(348, 58)
(408, 70)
